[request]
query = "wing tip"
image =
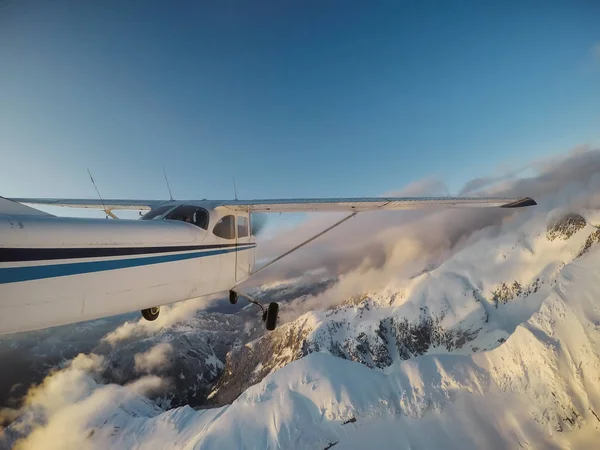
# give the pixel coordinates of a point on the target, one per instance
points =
(521, 203)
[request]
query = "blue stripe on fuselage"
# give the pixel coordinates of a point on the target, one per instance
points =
(29, 273)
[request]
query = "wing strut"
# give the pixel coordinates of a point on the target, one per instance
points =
(338, 223)
(107, 211)
(270, 313)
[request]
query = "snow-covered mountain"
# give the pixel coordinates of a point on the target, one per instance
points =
(471, 303)
(495, 347)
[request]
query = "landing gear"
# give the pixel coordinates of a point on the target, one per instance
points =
(269, 314)
(151, 314)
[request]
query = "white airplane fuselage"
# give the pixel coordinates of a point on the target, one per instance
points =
(57, 270)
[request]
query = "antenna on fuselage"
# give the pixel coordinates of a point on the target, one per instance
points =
(168, 187)
(107, 212)
(234, 188)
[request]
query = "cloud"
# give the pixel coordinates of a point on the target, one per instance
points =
(62, 411)
(375, 250)
(477, 184)
(169, 316)
(157, 358)
(48, 407)
(66, 386)
(338, 255)
(596, 52)
(149, 385)
(88, 363)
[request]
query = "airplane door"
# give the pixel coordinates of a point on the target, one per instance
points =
(242, 263)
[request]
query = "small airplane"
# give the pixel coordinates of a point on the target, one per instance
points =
(61, 270)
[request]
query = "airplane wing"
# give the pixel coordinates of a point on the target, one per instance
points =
(371, 204)
(10, 207)
(299, 204)
(108, 204)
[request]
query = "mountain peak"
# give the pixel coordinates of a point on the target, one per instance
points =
(566, 227)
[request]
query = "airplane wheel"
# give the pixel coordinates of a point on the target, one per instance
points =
(271, 316)
(233, 297)
(151, 314)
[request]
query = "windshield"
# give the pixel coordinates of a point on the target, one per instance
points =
(190, 214)
(157, 213)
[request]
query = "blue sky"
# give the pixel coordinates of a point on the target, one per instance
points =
(303, 98)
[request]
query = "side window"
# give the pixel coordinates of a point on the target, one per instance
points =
(242, 226)
(225, 228)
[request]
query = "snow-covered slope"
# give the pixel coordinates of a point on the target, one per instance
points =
(496, 347)
(470, 303)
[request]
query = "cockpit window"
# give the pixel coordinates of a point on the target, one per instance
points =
(191, 214)
(225, 228)
(156, 212)
(242, 226)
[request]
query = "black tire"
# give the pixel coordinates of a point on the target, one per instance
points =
(272, 311)
(151, 314)
(233, 297)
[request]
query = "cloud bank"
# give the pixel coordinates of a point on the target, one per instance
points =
(169, 315)
(61, 411)
(375, 251)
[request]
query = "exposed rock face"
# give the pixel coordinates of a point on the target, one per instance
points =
(566, 227)
(397, 338)
(506, 292)
(248, 364)
(593, 238)
(341, 333)
(194, 361)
